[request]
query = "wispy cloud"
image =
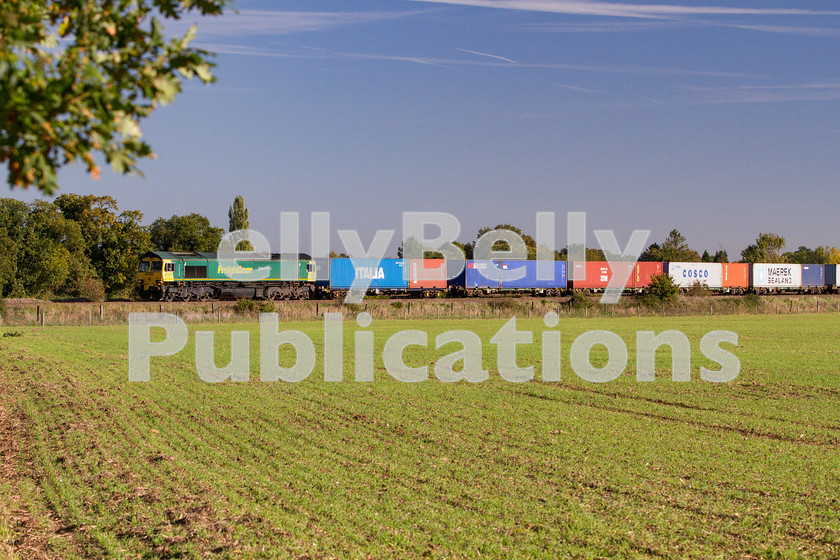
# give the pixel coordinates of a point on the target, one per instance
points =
(614, 9)
(791, 30)
(502, 58)
(492, 61)
(817, 91)
(274, 22)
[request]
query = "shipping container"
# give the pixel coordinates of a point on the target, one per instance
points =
(427, 274)
(521, 275)
(598, 275)
(643, 272)
(686, 274)
(831, 276)
(384, 274)
(735, 275)
(813, 276)
(776, 276)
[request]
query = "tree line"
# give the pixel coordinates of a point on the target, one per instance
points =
(85, 247)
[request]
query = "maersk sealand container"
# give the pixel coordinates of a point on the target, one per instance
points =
(384, 274)
(813, 275)
(522, 275)
(778, 276)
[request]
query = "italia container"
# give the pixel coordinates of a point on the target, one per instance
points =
(427, 274)
(385, 274)
(598, 275)
(813, 275)
(686, 274)
(776, 276)
(735, 275)
(643, 272)
(522, 275)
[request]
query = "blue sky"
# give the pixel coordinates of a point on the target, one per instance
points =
(720, 118)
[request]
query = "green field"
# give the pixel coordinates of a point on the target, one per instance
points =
(96, 467)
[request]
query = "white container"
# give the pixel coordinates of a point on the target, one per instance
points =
(685, 274)
(773, 275)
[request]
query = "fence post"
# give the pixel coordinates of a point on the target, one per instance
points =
(101, 314)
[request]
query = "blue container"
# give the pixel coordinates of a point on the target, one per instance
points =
(481, 274)
(508, 275)
(831, 275)
(512, 270)
(385, 274)
(813, 275)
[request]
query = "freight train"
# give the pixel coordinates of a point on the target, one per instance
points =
(185, 276)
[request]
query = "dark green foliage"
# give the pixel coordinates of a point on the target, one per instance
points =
(113, 241)
(698, 289)
(185, 233)
(804, 255)
(662, 287)
(578, 300)
(673, 249)
(767, 248)
(237, 220)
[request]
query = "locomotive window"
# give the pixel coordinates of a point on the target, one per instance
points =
(310, 267)
(156, 266)
(144, 266)
(170, 267)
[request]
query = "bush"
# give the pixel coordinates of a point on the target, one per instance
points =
(662, 287)
(698, 289)
(246, 306)
(91, 289)
(752, 301)
(578, 300)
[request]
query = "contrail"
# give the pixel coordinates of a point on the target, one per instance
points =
(489, 55)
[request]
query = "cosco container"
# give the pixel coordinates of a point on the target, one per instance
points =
(384, 274)
(735, 275)
(813, 276)
(776, 276)
(427, 274)
(686, 274)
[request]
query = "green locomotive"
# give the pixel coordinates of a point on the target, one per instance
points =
(185, 276)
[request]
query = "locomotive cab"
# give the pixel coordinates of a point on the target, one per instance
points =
(152, 272)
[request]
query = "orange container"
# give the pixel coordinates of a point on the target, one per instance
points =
(642, 273)
(736, 275)
(426, 274)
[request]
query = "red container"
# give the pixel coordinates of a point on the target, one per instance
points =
(598, 275)
(736, 275)
(426, 274)
(642, 273)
